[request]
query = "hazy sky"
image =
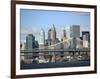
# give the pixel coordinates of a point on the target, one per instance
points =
(33, 20)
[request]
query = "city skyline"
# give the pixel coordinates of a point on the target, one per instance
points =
(53, 39)
(53, 43)
(33, 20)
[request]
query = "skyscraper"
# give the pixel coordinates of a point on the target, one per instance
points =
(42, 46)
(30, 40)
(75, 31)
(75, 35)
(42, 38)
(53, 34)
(87, 35)
(85, 42)
(49, 34)
(48, 41)
(63, 34)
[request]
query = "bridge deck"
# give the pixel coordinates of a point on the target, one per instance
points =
(56, 50)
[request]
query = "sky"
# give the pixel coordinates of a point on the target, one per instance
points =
(32, 21)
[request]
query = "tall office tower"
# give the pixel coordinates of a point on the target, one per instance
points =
(87, 35)
(42, 37)
(53, 34)
(49, 38)
(74, 35)
(30, 40)
(49, 34)
(63, 34)
(75, 31)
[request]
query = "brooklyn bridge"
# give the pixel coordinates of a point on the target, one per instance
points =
(54, 59)
(55, 51)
